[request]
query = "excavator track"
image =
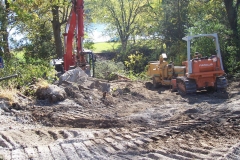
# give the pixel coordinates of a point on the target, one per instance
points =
(186, 86)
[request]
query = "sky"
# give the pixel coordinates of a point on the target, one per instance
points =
(96, 33)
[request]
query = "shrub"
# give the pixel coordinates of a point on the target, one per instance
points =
(108, 69)
(26, 72)
(136, 62)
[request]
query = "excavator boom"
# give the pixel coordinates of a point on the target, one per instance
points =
(76, 57)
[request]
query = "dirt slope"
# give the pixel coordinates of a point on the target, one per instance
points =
(133, 121)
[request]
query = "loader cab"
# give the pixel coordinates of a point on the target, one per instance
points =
(162, 62)
(199, 56)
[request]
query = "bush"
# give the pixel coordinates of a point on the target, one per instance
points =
(136, 62)
(108, 69)
(26, 72)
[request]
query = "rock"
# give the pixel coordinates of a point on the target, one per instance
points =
(4, 107)
(17, 106)
(76, 75)
(78, 80)
(191, 110)
(53, 93)
(101, 86)
(70, 88)
(117, 92)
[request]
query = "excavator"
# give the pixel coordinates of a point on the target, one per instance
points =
(197, 73)
(78, 56)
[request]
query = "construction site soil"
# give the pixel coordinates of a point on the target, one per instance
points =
(132, 121)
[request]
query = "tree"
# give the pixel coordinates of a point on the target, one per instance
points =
(4, 24)
(175, 20)
(207, 17)
(37, 13)
(217, 16)
(231, 7)
(57, 9)
(173, 25)
(123, 16)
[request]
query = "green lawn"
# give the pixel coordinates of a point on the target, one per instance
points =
(101, 47)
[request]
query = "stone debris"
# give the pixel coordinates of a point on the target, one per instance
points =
(72, 84)
(76, 75)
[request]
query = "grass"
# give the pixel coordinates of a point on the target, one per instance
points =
(101, 47)
(8, 94)
(42, 83)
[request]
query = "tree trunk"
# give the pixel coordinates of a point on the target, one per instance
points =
(232, 13)
(57, 31)
(124, 46)
(5, 35)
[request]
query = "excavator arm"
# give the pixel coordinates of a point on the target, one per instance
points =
(76, 57)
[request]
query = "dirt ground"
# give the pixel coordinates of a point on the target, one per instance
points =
(133, 121)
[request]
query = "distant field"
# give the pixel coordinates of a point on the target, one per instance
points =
(105, 47)
(100, 47)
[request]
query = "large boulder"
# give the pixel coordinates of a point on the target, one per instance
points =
(52, 92)
(76, 75)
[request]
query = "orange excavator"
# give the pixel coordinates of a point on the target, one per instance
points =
(78, 56)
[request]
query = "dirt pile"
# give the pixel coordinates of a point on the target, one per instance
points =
(123, 120)
(71, 84)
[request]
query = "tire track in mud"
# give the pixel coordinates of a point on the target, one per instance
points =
(118, 143)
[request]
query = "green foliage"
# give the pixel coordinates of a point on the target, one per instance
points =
(89, 44)
(135, 62)
(123, 17)
(177, 52)
(231, 61)
(211, 17)
(108, 69)
(137, 76)
(206, 17)
(40, 21)
(42, 48)
(237, 75)
(175, 19)
(26, 72)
